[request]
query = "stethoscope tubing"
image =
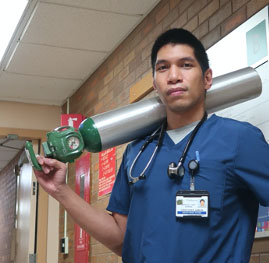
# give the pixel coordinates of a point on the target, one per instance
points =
(162, 130)
(189, 142)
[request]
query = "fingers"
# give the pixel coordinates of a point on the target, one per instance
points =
(45, 168)
(48, 165)
(53, 163)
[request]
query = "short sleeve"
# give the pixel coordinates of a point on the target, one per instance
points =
(252, 162)
(119, 201)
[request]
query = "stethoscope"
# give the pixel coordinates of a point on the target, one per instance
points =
(174, 171)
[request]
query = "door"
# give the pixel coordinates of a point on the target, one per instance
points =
(26, 215)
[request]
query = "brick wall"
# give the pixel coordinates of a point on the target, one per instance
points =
(108, 87)
(260, 251)
(8, 184)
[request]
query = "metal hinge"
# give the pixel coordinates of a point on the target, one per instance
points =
(34, 188)
(32, 258)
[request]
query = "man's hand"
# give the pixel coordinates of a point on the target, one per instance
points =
(52, 177)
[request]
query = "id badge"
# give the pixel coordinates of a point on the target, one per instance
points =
(192, 204)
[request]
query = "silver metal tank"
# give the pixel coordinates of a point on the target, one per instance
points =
(136, 120)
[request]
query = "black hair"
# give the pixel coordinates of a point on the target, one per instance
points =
(180, 36)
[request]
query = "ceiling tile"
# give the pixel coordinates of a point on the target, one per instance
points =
(85, 29)
(121, 6)
(55, 62)
(37, 90)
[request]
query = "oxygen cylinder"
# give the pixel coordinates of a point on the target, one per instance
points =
(139, 119)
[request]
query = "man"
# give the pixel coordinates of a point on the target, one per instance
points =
(220, 160)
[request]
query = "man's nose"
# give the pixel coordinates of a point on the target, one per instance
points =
(175, 75)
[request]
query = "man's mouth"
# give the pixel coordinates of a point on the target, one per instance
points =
(176, 91)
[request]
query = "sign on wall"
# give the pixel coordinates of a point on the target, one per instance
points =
(73, 120)
(107, 171)
(256, 39)
(263, 220)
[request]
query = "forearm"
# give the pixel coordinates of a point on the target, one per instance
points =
(99, 224)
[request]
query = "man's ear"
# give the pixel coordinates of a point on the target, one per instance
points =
(208, 78)
(153, 84)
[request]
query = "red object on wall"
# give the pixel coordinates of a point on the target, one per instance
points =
(83, 189)
(107, 171)
(73, 120)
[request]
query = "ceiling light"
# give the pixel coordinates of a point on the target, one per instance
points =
(10, 14)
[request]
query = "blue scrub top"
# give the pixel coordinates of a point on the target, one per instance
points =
(234, 169)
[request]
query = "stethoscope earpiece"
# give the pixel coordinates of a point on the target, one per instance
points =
(142, 177)
(136, 179)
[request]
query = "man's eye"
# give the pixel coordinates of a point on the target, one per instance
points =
(187, 65)
(160, 68)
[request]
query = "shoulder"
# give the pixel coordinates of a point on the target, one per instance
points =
(235, 126)
(133, 147)
(136, 144)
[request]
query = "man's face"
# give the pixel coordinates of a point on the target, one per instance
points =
(178, 78)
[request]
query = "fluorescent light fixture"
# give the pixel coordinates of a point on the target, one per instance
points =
(10, 14)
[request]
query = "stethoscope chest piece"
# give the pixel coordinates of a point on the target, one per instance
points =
(175, 171)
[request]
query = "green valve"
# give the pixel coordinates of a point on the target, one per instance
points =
(63, 143)
(31, 156)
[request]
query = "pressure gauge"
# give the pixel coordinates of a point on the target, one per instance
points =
(73, 142)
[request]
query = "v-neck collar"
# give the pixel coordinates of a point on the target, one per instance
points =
(186, 131)
(177, 135)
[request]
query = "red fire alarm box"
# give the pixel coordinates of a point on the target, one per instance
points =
(73, 120)
(82, 188)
